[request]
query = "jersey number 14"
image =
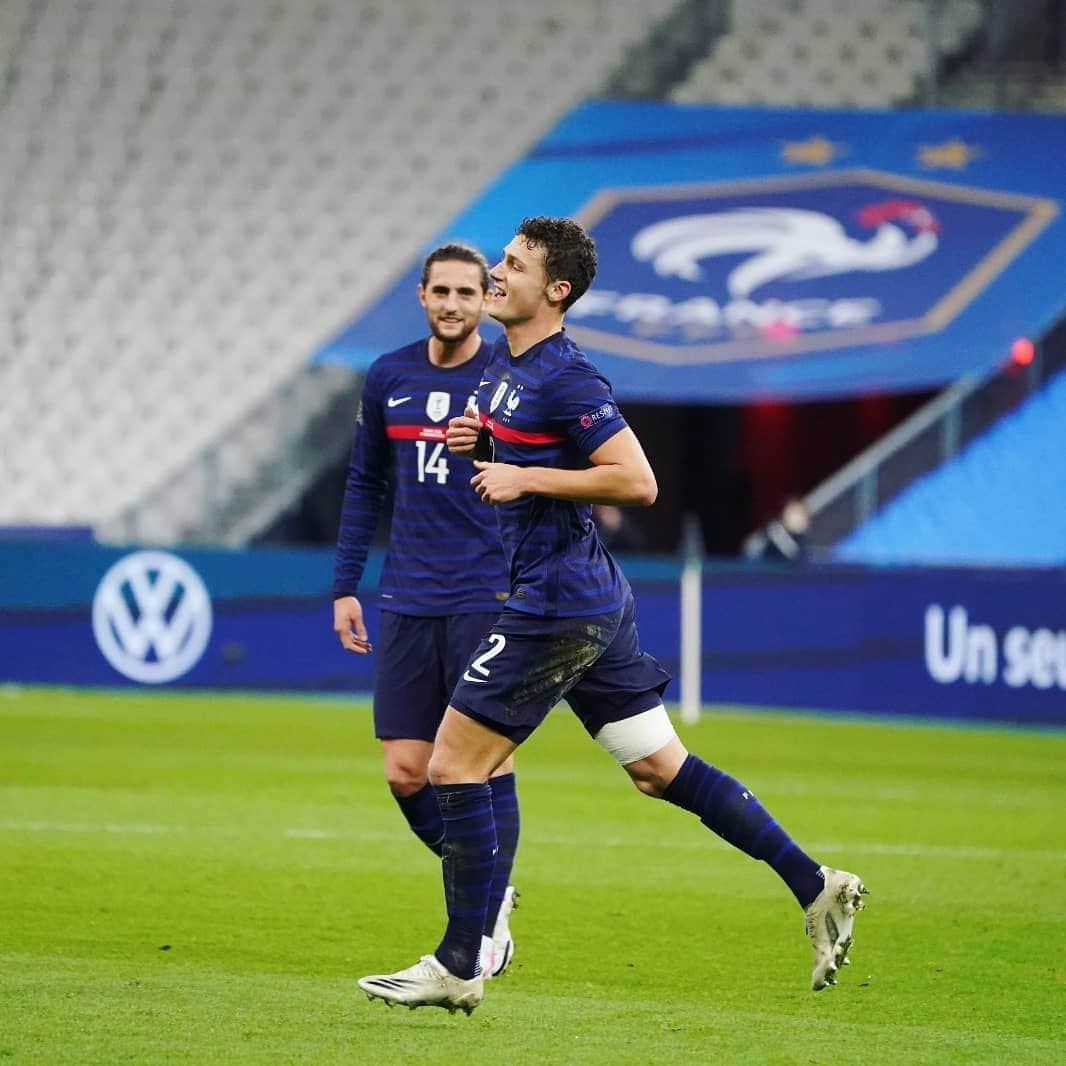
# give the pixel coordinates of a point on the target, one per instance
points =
(436, 463)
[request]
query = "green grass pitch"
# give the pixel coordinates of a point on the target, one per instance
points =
(201, 878)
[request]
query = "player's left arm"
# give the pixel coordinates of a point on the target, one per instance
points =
(620, 474)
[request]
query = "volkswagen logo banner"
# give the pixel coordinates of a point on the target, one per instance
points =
(152, 617)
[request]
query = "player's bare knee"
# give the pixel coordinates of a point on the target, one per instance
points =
(465, 751)
(633, 741)
(406, 766)
(404, 781)
(405, 774)
(438, 771)
(444, 769)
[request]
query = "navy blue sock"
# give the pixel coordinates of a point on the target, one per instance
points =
(468, 861)
(423, 816)
(727, 808)
(505, 814)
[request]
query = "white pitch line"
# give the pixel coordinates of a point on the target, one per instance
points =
(869, 847)
(116, 828)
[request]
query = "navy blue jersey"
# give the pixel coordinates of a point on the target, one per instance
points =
(551, 407)
(444, 554)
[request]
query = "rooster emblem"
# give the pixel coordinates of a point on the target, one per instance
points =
(788, 244)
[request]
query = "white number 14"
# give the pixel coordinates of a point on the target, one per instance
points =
(436, 463)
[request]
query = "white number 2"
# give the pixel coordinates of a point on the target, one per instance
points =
(498, 641)
(435, 464)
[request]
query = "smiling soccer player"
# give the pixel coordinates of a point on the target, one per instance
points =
(444, 575)
(568, 630)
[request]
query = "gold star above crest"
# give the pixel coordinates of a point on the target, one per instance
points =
(951, 155)
(817, 151)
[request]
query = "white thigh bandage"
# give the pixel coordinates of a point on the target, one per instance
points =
(637, 737)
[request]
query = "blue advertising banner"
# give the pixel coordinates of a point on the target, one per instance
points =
(955, 643)
(87, 615)
(942, 643)
(748, 253)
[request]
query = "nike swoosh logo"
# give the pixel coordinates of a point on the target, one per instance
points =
(396, 401)
(476, 680)
(484, 381)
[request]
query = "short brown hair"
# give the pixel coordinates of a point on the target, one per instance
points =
(569, 252)
(465, 253)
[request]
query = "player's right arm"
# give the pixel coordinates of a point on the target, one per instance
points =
(619, 474)
(364, 495)
(583, 409)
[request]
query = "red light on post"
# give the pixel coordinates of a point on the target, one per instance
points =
(1022, 351)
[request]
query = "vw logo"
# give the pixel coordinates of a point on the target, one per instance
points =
(152, 617)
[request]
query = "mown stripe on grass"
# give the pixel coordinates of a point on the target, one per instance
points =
(866, 847)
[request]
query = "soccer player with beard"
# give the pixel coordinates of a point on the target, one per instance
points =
(568, 630)
(444, 576)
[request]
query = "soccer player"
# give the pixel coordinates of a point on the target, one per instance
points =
(568, 628)
(444, 576)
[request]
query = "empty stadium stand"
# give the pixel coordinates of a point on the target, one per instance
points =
(195, 193)
(997, 503)
(861, 53)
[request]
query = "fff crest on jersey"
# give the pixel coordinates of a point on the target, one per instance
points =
(437, 406)
(710, 272)
(498, 395)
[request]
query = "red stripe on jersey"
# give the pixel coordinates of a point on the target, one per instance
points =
(415, 432)
(518, 436)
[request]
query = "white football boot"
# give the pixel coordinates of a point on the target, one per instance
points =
(426, 984)
(486, 957)
(828, 922)
(497, 951)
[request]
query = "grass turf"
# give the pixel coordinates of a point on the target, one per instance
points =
(199, 878)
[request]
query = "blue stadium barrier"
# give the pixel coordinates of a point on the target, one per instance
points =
(1000, 501)
(944, 643)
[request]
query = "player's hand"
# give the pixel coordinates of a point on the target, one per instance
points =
(498, 482)
(462, 432)
(349, 626)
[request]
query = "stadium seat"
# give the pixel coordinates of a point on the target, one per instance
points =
(200, 193)
(868, 53)
(987, 506)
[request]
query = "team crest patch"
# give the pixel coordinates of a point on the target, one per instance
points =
(437, 406)
(498, 395)
(716, 272)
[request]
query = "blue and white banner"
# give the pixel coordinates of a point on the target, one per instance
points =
(752, 254)
(973, 644)
(977, 644)
(80, 614)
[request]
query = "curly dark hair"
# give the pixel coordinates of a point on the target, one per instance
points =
(465, 253)
(569, 252)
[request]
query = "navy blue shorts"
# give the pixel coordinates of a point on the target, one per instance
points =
(526, 664)
(417, 663)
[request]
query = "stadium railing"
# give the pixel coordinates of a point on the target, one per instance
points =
(932, 435)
